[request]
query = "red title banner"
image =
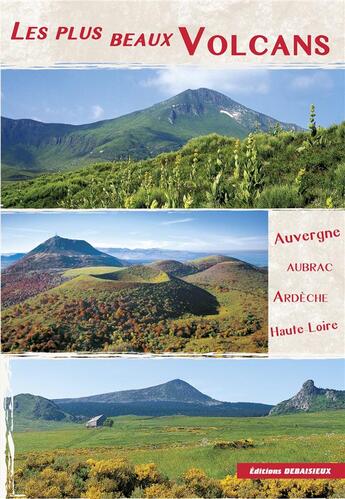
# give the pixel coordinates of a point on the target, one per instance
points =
(291, 470)
(217, 44)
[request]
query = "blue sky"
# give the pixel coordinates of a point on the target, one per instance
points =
(249, 380)
(178, 230)
(83, 96)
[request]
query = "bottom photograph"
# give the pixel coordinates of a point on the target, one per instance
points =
(126, 427)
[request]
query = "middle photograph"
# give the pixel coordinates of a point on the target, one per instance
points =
(193, 282)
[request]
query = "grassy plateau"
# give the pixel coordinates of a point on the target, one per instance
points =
(176, 442)
(184, 449)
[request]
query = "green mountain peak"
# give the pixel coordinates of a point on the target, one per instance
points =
(30, 147)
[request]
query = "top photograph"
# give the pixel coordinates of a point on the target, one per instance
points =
(174, 137)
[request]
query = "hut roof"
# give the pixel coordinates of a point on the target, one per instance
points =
(95, 419)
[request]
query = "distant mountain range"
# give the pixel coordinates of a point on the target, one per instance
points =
(176, 390)
(134, 256)
(171, 398)
(311, 399)
(31, 147)
(259, 258)
(147, 255)
(10, 258)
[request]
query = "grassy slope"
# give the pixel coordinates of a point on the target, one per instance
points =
(24, 424)
(138, 273)
(91, 271)
(138, 135)
(35, 407)
(150, 297)
(237, 297)
(176, 443)
(89, 284)
(124, 184)
(174, 267)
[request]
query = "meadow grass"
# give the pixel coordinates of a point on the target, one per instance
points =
(279, 169)
(91, 271)
(176, 443)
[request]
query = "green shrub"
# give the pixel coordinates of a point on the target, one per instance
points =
(144, 198)
(340, 179)
(279, 196)
(234, 444)
(188, 178)
(38, 462)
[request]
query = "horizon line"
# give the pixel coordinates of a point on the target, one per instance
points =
(152, 105)
(164, 383)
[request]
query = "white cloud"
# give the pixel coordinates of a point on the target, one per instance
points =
(215, 244)
(315, 79)
(97, 111)
(173, 80)
(180, 221)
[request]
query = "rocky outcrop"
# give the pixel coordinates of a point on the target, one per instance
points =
(310, 399)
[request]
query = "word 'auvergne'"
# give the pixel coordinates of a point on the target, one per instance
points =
(321, 236)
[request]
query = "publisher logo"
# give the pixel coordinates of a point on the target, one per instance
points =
(291, 470)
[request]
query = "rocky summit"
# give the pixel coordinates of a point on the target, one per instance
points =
(62, 253)
(311, 399)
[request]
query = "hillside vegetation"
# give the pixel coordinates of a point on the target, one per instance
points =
(278, 169)
(151, 457)
(31, 147)
(34, 407)
(140, 308)
(311, 398)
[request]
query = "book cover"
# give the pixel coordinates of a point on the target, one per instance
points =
(172, 259)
